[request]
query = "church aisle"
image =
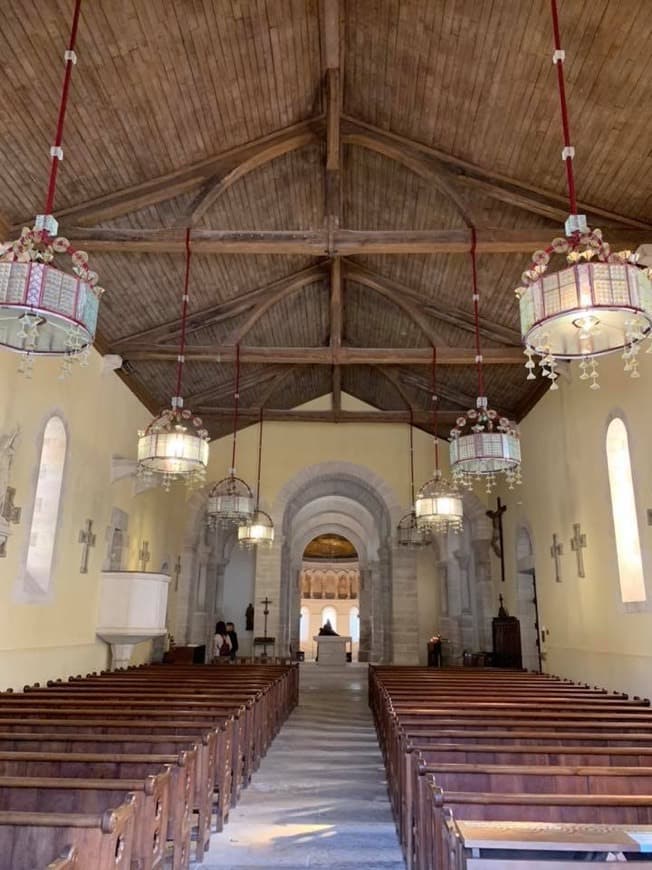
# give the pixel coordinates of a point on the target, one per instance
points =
(319, 798)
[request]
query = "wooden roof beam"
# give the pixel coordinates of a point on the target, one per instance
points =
(226, 389)
(281, 415)
(214, 314)
(450, 314)
(336, 328)
(212, 353)
(173, 184)
(316, 243)
(525, 196)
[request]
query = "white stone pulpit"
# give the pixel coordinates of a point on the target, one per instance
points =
(133, 605)
(331, 649)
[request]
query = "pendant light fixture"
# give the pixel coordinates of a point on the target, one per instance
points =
(231, 500)
(175, 444)
(438, 505)
(483, 443)
(43, 309)
(409, 532)
(599, 303)
(259, 529)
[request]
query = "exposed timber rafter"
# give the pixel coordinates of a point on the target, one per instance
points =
(525, 196)
(212, 353)
(281, 415)
(450, 314)
(226, 389)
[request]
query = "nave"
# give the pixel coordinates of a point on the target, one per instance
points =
(319, 798)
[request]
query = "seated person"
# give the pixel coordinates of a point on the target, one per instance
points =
(327, 630)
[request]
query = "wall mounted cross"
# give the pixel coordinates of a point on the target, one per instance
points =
(10, 512)
(556, 551)
(177, 572)
(578, 543)
(87, 538)
(144, 555)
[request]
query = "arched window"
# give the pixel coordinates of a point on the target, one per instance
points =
(329, 613)
(304, 625)
(43, 530)
(623, 507)
(354, 625)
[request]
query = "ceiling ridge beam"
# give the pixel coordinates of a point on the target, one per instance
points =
(172, 184)
(472, 170)
(212, 353)
(328, 416)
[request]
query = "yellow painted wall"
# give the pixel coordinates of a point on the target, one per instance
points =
(102, 417)
(592, 637)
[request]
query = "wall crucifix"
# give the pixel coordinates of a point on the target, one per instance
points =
(87, 538)
(144, 555)
(177, 572)
(556, 551)
(578, 543)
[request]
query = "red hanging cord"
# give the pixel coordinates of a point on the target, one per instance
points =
(236, 402)
(559, 63)
(411, 458)
(435, 407)
(260, 456)
(58, 139)
(184, 316)
(476, 311)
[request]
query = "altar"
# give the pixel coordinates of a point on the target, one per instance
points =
(331, 649)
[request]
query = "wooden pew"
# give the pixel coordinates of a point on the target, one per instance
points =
(530, 846)
(101, 842)
(67, 860)
(27, 794)
(66, 765)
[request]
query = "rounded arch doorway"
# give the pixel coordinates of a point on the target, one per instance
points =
(329, 585)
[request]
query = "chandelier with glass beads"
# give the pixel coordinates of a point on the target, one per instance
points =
(230, 500)
(484, 444)
(438, 506)
(408, 532)
(259, 529)
(175, 444)
(600, 302)
(44, 310)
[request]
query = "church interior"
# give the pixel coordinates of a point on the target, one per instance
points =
(334, 311)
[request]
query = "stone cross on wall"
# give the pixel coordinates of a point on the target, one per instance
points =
(177, 572)
(9, 514)
(578, 543)
(87, 538)
(144, 555)
(556, 551)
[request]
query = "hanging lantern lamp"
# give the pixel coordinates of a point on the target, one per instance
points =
(175, 444)
(45, 310)
(230, 500)
(483, 443)
(438, 506)
(408, 532)
(259, 529)
(599, 303)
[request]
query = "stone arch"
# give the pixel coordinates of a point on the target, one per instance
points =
(355, 502)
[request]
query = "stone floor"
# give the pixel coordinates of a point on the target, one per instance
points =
(319, 798)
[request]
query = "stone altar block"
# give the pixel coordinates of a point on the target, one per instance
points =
(331, 650)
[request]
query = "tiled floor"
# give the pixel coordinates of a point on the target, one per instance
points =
(319, 798)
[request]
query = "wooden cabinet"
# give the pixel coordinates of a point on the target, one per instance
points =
(507, 642)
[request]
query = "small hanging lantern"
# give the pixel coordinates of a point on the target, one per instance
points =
(600, 303)
(44, 310)
(230, 500)
(175, 444)
(438, 506)
(259, 529)
(408, 532)
(483, 443)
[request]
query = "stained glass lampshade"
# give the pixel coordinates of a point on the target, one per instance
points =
(484, 444)
(174, 446)
(438, 506)
(230, 501)
(257, 531)
(410, 534)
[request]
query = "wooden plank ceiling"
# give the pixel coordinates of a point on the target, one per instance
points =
(330, 157)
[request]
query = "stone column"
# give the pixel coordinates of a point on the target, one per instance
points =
(183, 622)
(364, 595)
(468, 628)
(484, 592)
(404, 607)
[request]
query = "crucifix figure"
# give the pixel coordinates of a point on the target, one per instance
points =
(177, 572)
(144, 555)
(10, 514)
(556, 551)
(496, 518)
(578, 543)
(87, 538)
